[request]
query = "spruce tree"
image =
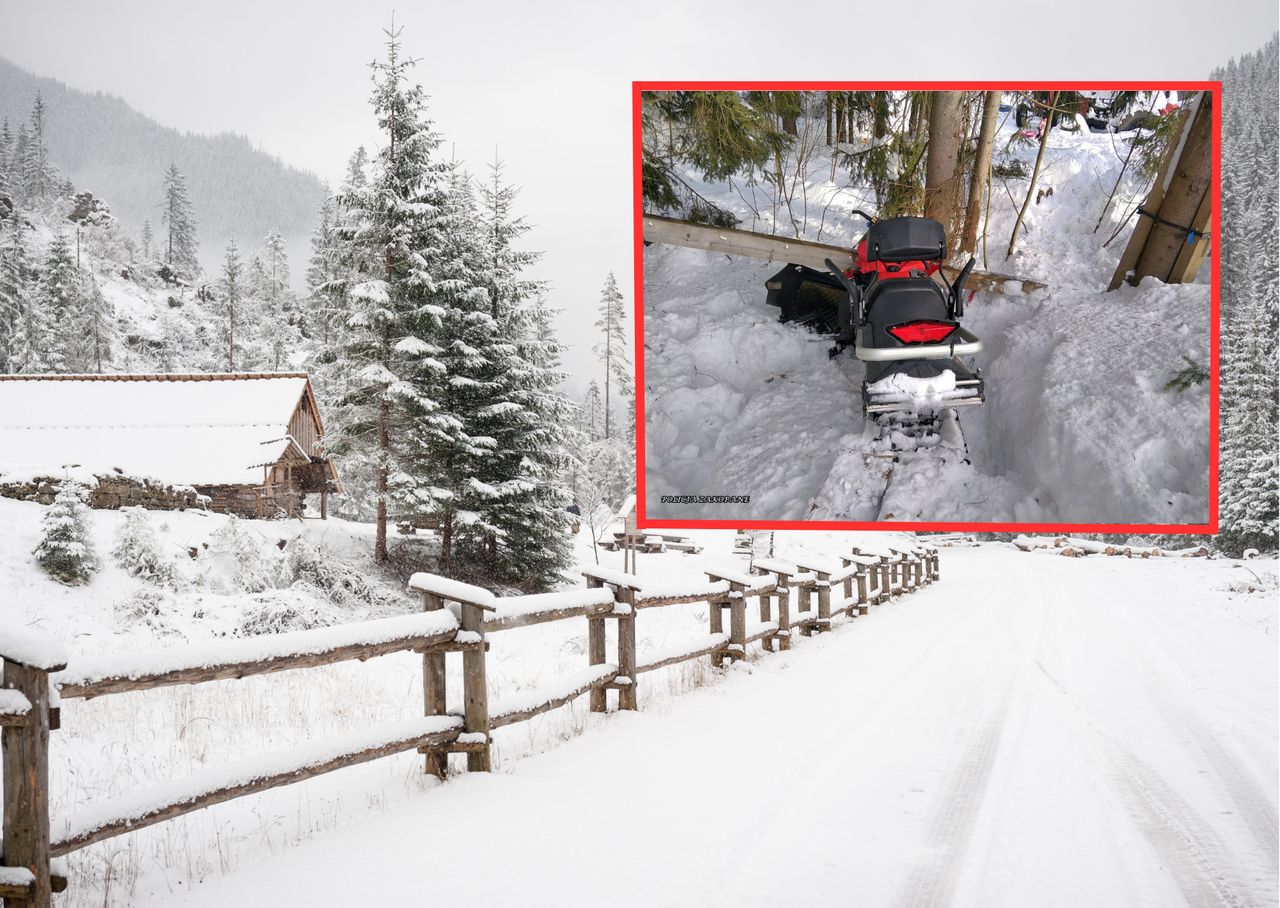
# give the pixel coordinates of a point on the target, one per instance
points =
(231, 314)
(148, 241)
(58, 309)
(66, 550)
(612, 350)
(178, 216)
(390, 236)
(522, 409)
(38, 175)
(6, 159)
(16, 349)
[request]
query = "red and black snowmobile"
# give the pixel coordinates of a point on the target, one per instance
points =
(897, 311)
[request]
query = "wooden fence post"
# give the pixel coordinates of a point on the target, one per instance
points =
(824, 601)
(596, 649)
(627, 649)
(475, 688)
(715, 619)
(861, 577)
(737, 621)
(434, 693)
(803, 601)
(26, 782)
(886, 584)
(766, 615)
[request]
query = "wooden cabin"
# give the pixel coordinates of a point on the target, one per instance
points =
(250, 442)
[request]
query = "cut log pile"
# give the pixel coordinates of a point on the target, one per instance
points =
(455, 618)
(1073, 547)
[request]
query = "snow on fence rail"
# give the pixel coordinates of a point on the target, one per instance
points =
(455, 619)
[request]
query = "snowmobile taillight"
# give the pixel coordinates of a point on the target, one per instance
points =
(924, 331)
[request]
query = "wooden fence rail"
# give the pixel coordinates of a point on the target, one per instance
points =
(455, 618)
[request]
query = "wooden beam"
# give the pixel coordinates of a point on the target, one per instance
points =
(784, 250)
(117, 684)
(501, 720)
(129, 820)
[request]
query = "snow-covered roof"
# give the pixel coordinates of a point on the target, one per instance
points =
(210, 429)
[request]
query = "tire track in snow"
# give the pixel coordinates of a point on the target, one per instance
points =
(1184, 841)
(934, 879)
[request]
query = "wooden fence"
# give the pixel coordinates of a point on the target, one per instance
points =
(456, 618)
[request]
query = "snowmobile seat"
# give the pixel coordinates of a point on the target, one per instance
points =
(903, 299)
(906, 239)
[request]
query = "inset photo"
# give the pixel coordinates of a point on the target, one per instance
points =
(973, 306)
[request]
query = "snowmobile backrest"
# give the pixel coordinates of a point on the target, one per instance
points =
(906, 240)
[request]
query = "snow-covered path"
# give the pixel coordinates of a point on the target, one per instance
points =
(1049, 732)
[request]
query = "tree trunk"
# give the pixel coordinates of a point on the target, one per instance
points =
(446, 541)
(829, 109)
(1035, 172)
(981, 171)
(942, 167)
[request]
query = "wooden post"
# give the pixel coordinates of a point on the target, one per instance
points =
(475, 688)
(862, 588)
(434, 692)
(324, 502)
(824, 601)
(886, 585)
(596, 650)
(716, 619)
(802, 609)
(627, 649)
(1169, 240)
(766, 615)
(26, 783)
(737, 621)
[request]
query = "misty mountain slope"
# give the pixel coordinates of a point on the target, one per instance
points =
(105, 146)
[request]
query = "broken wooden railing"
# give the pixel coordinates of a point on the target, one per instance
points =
(456, 618)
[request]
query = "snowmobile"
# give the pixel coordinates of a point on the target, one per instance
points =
(896, 310)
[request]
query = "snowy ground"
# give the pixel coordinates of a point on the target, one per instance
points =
(1077, 426)
(952, 747)
(1032, 730)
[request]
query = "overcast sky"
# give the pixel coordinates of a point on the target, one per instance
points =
(548, 84)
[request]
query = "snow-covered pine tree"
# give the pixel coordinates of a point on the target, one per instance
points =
(592, 422)
(279, 330)
(16, 348)
(95, 315)
(612, 350)
(38, 175)
(65, 551)
(178, 216)
(138, 550)
(6, 159)
(389, 233)
(459, 391)
(1249, 473)
(148, 241)
(531, 421)
(230, 306)
(323, 275)
(58, 309)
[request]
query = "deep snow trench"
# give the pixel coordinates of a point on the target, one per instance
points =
(1078, 426)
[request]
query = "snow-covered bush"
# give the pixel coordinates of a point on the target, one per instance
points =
(240, 562)
(138, 550)
(316, 567)
(66, 549)
(281, 611)
(151, 607)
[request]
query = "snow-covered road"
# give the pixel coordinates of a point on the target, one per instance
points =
(1031, 730)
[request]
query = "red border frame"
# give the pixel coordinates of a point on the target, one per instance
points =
(1215, 88)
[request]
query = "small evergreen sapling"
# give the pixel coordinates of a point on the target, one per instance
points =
(66, 551)
(139, 553)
